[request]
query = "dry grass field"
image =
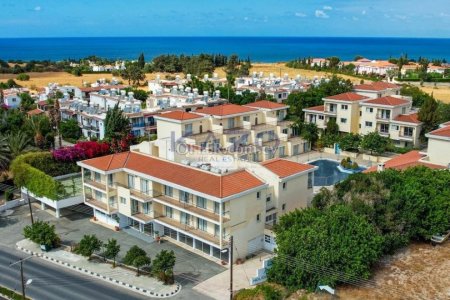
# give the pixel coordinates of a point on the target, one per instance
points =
(42, 79)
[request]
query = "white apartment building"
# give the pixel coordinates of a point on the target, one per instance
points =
(438, 151)
(370, 109)
(11, 97)
(194, 203)
(253, 132)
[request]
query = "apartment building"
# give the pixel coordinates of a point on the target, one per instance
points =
(195, 203)
(438, 151)
(255, 132)
(374, 107)
(10, 98)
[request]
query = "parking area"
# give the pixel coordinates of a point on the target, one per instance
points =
(190, 268)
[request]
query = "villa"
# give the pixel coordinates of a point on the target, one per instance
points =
(11, 97)
(371, 107)
(195, 203)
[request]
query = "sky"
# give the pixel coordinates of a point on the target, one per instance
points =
(338, 18)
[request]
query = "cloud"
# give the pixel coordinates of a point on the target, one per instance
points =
(321, 14)
(363, 12)
(326, 7)
(300, 14)
(442, 14)
(37, 8)
(400, 17)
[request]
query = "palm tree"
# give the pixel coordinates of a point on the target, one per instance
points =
(36, 125)
(5, 156)
(18, 143)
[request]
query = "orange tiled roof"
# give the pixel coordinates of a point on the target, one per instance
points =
(348, 97)
(411, 118)
(444, 132)
(266, 104)
(388, 100)
(284, 168)
(404, 161)
(216, 185)
(35, 112)
(224, 110)
(316, 108)
(375, 86)
(179, 115)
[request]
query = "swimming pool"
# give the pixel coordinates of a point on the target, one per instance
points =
(328, 173)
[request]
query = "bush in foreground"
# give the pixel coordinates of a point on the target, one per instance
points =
(88, 245)
(163, 266)
(42, 233)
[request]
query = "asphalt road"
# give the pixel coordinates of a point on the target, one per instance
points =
(54, 282)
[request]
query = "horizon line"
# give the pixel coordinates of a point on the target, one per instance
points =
(226, 36)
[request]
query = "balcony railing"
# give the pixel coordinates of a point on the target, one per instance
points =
(146, 218)
(138, 124)
(96, 184)
(144, 196)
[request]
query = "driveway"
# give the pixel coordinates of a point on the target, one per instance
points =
(190, 268)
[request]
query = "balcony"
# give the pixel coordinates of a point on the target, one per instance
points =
(190, 230)
(138, 125)
(141, 217)
(95, 184)
(236, 130)
(407, 137)
(99, 205)
(384, 133)
(383, 118)
(189, 208)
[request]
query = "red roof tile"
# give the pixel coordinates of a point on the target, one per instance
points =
(35, 112)
(376, 86)
(348, 97)
(317, 108)
(216, 185)
(179, 115)
(411, 118)
(388, 100)
(404, 161)
(284, 168)
(225, 109)
(444, 132)
(265, 104)
(103, 87)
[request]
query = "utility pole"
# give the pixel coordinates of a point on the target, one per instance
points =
(22, 280)
(29, 206)
(231, 267)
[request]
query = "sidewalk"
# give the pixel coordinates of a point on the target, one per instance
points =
(144, 285)
(218, 287)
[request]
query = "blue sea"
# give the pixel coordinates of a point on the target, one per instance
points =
(259, 49)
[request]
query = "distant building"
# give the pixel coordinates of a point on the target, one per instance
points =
(11, 97)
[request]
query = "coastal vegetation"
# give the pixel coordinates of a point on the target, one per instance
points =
(386, 210)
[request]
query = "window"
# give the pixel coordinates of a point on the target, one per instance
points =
(283, 207)
(344, 106)
(368, 124)
(360, 113)
(112, 201)
(267, 238)
(403, 110)
(408, 131)
(97, 176)
(217, 208)
(394, 127)
(123, 200)
(201, 202)
(169, 212)
(168, 191)
(247, 118)
(144, 186)
(284, 185)
(184, 196)
(258, 195)
(369, 110)
(258, 217)
(296, 149)
(185, 218)
(281, 151)
(231, 123)
(216, 230)
(310, 180)
(110, 179)
(343, 120)
(188, 129)
(321, 117)
(202, 224)
(98, 195)
(130, 181)
(146, 207)
(384, 128)
(285, 131)
(268, 198)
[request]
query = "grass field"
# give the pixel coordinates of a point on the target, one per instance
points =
(42, 79)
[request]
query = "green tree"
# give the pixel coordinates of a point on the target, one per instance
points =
(333, 62)
(332, 127)
(335, 240)
(88, 245)
(141, 261)
(41, 233)
(5, 154)
(23, 77)
(18, 143)
(310, 133)
(232, 67)
(403, 60)
(132, 254)
(374, 143)
(117, 125)
(26, 102)
(428, 114)
(133, 74)
(416, 93)
(11, 120)
(70, 129)
(350, 142)
(163, 266)
(141, 61)
(112, 249)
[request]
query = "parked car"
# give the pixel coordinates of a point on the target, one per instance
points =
(440, 238)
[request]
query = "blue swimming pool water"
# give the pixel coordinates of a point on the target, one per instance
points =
(328, 173)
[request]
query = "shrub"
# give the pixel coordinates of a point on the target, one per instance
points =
(132, 254)
(42, 233)
(163, 266)
(23, 77)
(88, 245)
(141, 261)
(81, 150)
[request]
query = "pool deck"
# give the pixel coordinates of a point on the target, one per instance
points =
(315, 155)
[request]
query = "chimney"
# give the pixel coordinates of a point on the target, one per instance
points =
(380, 167)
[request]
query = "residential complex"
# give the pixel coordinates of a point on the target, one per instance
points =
(254, 132)
(10, 98)
(371, 107)
(193, 202)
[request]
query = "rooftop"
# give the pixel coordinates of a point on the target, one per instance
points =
(409, 118)
(388, 101)
(179, 115)
(347, 97)
(265, 104)
(316, 108)
(225, 109)
(375, 86)
(443, 132)
(217, 185)
(404, 161)
(285, 168)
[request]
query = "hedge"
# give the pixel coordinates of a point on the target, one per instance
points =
(26, 174)
(11, 294)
